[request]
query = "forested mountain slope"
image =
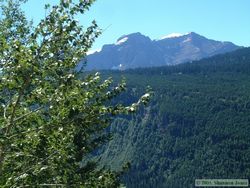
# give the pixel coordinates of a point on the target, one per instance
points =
(196, 126)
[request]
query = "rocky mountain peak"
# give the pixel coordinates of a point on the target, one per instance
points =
(137, 50)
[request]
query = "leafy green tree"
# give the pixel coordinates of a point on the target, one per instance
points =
(50, 117)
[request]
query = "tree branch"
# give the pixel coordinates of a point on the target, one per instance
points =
(9, 126)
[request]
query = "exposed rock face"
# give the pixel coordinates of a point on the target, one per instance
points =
(136, 50)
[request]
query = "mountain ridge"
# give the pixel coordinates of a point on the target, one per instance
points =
(137, 50)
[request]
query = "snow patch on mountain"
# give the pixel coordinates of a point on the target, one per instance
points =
(172, 35)
(119, 67)
(119, 42)
(93, 51)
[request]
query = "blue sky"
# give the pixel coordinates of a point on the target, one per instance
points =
(225, 20)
